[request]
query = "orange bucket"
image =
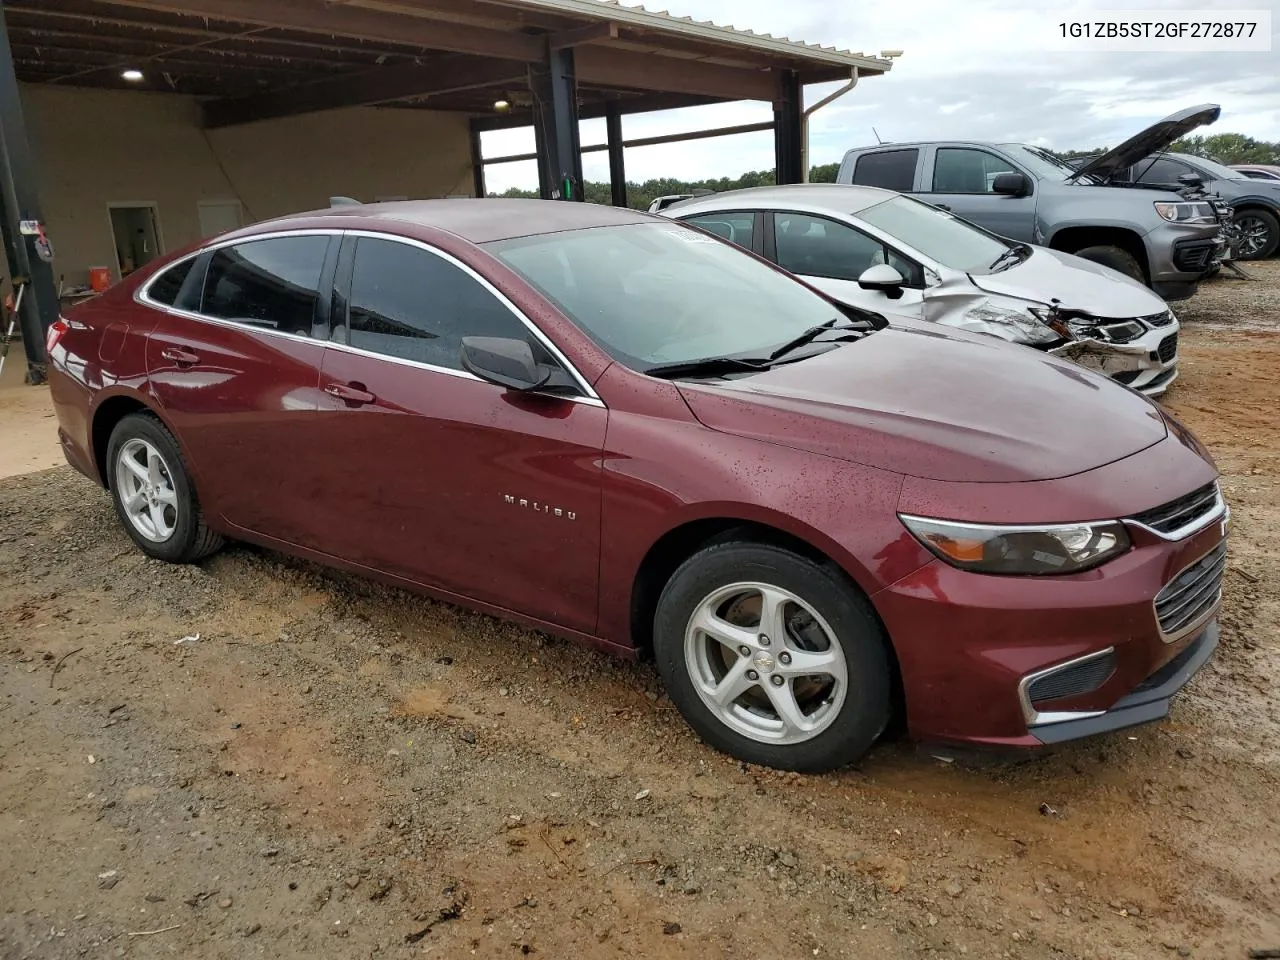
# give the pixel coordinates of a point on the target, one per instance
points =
(99, 278)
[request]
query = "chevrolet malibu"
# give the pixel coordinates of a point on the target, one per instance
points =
(616, 428)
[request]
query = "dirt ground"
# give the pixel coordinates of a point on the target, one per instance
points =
(255, 757)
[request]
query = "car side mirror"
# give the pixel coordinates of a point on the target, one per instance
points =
(1011, 184)
(505, 361)
(883, 279)
(1191, 180)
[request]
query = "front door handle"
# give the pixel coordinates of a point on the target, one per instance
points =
(180, 356)
(353, 394)
(942, 206)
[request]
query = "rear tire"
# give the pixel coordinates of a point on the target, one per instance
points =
(1115, 258)
(1260, 233)
(812, 691)
(153, 494)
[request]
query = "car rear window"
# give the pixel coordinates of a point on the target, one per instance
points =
(165, 288)
(890, 169)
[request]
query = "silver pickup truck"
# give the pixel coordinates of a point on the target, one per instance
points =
(1022, 192)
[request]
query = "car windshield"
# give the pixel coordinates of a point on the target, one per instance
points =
(655, 294)
(948, 240)
(1041, 162)
(1216, 170)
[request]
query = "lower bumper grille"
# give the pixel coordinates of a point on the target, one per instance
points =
(1168, 348)
(1084, 676)
(1191, 256)
(1190, 597)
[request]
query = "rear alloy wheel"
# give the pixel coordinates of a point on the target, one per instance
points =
(153, 494)
(1259, 234)
(773, 658)
(1115, 258)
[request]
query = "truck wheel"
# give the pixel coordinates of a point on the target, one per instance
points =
(1259, 233)
(1115, 258)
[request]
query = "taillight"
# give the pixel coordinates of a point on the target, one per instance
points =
(56, 330)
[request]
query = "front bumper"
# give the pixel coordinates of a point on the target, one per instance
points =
(1148, 364)
(1179, 263)
(969, 644)
(1149, 701)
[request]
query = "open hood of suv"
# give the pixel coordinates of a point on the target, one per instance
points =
(1159, 136)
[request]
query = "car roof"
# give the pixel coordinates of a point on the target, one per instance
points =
(845, 198)
(476, 220)
(929, 143)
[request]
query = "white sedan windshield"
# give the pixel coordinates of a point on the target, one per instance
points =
(654, 294)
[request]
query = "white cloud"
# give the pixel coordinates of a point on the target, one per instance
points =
(969, 71)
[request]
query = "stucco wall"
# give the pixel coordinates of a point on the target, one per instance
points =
(96, 147)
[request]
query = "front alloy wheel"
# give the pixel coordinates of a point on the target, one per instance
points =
(773, 657)
(765, 664)
(1257, 233)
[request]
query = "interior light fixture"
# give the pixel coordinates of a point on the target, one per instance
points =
(132, 75)
(501, 105)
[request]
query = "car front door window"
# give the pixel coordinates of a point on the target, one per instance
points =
(965, 170)
(414, 305)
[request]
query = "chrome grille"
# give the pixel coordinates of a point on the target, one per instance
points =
(1176, 515)
(1168, 348)
(1189, 598)
(1083, 676)
(1159, 319)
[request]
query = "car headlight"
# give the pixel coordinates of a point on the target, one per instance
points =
(1038, 550)
(1008, 324)
(1187, 212)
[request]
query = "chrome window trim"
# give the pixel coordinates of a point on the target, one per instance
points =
(1035, 718)
(142, 295)
(1220, 511)
(1210, 612)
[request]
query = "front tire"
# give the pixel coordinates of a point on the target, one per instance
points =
(153, 494)
(1259, 233)
(772, 658)
(1118, 260)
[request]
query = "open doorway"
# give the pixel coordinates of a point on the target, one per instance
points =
(136, 233)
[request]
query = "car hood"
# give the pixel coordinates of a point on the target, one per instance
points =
(1159, 136)
(941, 405)
(1078, 284)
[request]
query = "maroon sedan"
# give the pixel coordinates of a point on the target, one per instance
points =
(616, 428)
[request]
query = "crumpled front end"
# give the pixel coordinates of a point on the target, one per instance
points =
(1140, 352)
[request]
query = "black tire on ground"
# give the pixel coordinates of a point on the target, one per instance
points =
(1266, 224)
(191, 539)
(1115, 258)
(867, 706)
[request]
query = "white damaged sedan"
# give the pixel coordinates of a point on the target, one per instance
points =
(886, 252)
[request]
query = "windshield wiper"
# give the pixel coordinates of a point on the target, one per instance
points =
(1014, 253)
(812, 334)
(709, 367)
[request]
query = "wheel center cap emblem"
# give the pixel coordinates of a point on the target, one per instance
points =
(763, 662)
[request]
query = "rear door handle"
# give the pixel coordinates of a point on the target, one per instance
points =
(180, 356)
(942, 206)
(351, 393)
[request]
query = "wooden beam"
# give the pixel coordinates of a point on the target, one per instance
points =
(381, 85)
(648, 141)
(360, 23)
(643, 103)
(628, 69)
(591, 33)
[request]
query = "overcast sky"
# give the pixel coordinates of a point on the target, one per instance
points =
(958, 78)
